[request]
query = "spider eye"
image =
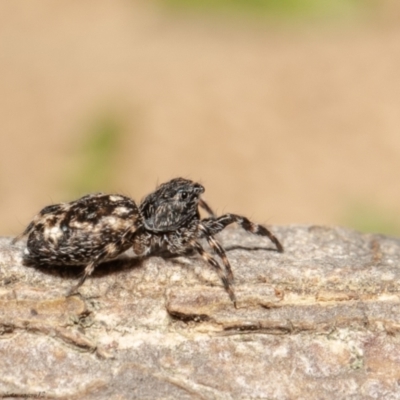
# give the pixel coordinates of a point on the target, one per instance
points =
(184, 195)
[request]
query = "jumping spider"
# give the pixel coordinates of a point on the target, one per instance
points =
(99, 227)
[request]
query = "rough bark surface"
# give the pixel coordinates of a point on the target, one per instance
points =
(320, 321)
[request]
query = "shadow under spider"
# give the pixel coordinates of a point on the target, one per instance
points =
(125, 263)
(190, 252)
(75, 271)
(248, 248)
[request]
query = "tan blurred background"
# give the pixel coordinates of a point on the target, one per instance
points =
(288, 112)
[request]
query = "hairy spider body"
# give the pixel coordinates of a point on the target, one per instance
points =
(99, 227)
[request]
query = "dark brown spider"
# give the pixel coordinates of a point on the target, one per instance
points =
(99, 227)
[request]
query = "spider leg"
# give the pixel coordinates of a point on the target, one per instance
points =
(110, 251)
(87, 272)
(218, 249)
(215, 225)
(211, 260)
(206, 207)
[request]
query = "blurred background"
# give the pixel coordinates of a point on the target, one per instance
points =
(288, 111)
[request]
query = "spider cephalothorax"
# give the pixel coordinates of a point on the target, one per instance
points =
(99, 227)
(171, 205)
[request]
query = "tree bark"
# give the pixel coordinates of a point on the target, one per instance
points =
(319, 321)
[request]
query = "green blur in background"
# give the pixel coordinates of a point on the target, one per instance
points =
(278, 8)
(96, 156)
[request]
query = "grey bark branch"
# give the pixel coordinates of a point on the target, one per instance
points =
(321, 320)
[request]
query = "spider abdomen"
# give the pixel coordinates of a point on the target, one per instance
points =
(76, 233)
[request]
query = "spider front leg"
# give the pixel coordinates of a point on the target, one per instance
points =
(216, 225)
(218, 249)
(206, 207)
(211, 260)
